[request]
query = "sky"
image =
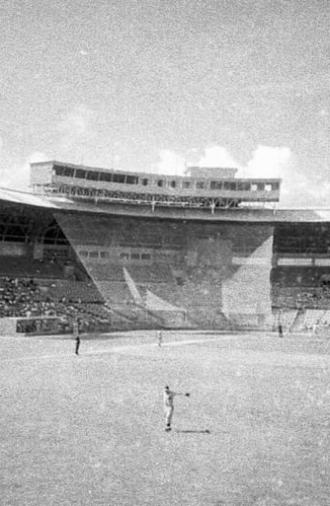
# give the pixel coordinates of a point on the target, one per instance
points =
(158, 85)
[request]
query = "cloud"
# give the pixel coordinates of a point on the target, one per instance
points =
(17, 175)
(268, 161)
(37, 156)
(76, 128)
(265, 162)
(170, 163)
(277, 162)
(217, 156)
(297, 190)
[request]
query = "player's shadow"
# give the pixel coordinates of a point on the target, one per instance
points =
(192, 431)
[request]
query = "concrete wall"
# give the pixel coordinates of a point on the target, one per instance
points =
(210, 271)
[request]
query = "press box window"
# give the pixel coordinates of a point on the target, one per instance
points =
(104, 254)
(118, 178)
(92, 176)
(67, 172)
(216, 185)
(160, 182)
(132, 180)
(81, 174)
(105, 177)
(135, 256)
(145, 182)
(59, 171)
(93, 254)
(200, 185)
(186, 184)
(124, 256)
(145, 256)
(172, 184)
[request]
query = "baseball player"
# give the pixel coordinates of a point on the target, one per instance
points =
(159, 337)
(76, 335)
(169, 405)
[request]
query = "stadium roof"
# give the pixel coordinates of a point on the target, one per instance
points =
(56, 203)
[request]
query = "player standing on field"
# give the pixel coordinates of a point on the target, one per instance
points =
(159, 337)
(280, 330)
(76, 335)
(169, 405)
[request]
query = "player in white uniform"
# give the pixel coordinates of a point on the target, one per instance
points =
(159, 337)
(169, 405)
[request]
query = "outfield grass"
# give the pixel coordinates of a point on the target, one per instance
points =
(89, 430)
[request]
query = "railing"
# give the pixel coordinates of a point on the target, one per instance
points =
(156, 201)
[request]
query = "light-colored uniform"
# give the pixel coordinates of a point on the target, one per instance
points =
(75, 329)
(160, 337)
(168, 405)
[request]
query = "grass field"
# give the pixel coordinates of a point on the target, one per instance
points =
(89, 430)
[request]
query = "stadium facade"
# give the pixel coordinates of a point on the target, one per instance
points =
(141, 250)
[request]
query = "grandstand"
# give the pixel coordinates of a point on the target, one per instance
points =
(126, 251)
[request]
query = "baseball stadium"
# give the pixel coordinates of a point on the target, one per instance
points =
(239, 289)
(137, 251)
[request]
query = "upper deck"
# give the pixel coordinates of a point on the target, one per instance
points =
(26, 202)
(80, 182)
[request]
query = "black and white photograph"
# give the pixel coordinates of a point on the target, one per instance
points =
(164, 253)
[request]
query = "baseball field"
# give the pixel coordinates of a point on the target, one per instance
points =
(89, 429)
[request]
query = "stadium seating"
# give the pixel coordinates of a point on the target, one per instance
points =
(312, 318)
(325, 319)
(307, 297)
(316, 321)
(26, 298)
(286, 318)
(152, 274)
(197, 295)
(26, 267)
(73, 291)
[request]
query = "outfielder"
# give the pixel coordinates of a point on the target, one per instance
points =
(76, 335)
(169, 405)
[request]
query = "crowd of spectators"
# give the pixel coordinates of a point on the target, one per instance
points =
(306, 297)
(19, 297)
(24, 298)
